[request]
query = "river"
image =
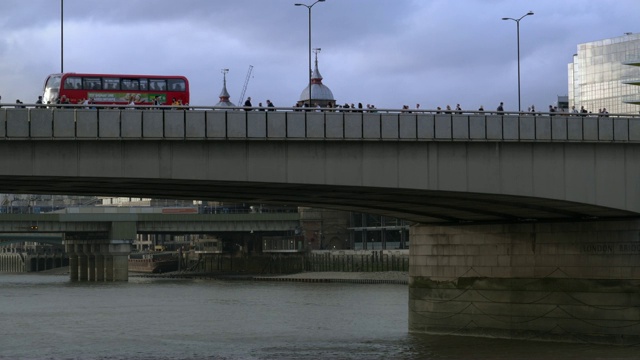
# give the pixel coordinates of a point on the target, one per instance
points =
(48, 317)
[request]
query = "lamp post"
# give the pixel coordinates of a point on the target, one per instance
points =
(61, 36)
(518, 35)
(310, 71)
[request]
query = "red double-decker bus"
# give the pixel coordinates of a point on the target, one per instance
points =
(75, 88)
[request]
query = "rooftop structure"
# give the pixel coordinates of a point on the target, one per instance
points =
(224, 94)
(320, 93)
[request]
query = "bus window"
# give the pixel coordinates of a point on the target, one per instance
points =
(92, 83)
(143, 85)
(176, 85)
(130, 84)
(157, 85)
(53, 82)
(73, 83)
(111, 84)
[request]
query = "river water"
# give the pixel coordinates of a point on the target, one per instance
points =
(48, 317)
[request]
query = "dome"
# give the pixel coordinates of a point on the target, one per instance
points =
(320, 93)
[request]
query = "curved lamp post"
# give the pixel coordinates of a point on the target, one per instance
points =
(310, 71)
(518, 35)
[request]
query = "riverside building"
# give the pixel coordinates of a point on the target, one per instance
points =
(606, 74)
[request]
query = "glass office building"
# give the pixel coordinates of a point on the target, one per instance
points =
(605, 74)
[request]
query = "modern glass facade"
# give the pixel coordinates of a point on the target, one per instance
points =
(605, 74)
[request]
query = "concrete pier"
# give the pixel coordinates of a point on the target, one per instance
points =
(575, 282)
(98, 260)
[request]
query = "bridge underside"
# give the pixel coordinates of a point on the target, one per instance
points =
(427, 207)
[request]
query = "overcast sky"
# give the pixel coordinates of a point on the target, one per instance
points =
(383, 52)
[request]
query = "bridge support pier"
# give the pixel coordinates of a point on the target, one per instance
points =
(572, 282)
(73, 264)
(100, 265)
(98, 260)
(83, 262)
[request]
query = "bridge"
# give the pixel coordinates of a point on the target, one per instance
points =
(106, 233)
(524, 226)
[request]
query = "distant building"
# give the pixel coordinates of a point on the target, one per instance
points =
(321, 95)
(606, 74)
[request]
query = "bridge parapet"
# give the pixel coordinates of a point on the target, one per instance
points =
(210, 124)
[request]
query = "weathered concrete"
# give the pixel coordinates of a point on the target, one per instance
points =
(519, 279)
(556, 281)
(98, 260)
(427, 168)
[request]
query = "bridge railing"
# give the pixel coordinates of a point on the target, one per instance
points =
(207, 123)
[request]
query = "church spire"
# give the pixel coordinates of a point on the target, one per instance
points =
(224, 94)
(316, 78)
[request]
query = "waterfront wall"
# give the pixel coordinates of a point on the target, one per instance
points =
(358, 260)
(315, 261)
(12, 262)
(18, 262)
(557, 281)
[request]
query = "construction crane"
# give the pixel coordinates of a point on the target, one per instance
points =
(244, 88)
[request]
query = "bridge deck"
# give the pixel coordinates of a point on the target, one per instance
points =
(175, 124)
(424, 167)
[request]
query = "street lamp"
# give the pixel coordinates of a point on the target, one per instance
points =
(518, 34)
(310, 71)
(61, 36)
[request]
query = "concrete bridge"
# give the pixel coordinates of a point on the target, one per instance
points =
(101, 239)
(525, 226)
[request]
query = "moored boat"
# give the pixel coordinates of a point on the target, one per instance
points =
(153, 262)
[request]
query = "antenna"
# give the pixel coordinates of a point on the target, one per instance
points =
(224, 76)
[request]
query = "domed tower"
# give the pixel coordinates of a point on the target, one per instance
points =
(224, 95)
(320, 94)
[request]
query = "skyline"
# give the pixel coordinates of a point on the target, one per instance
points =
(434, 53)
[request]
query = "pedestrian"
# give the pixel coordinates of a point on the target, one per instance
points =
(39, 101)
(247, 104)
(500, 108)
(270, 105)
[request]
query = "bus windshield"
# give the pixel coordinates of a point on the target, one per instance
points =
(51, 88)
(53, 82)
